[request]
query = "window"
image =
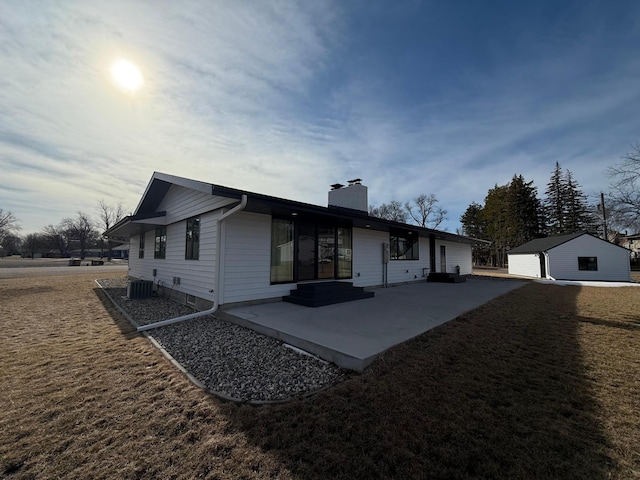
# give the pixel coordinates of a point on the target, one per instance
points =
(161, 242)
(281, 251)
(404, 247)
(588, 263)
(192, 250)
(141, 246)
(344, 252)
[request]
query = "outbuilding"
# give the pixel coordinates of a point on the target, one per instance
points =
(576, 256)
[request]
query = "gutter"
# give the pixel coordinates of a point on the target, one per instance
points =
(216, 302)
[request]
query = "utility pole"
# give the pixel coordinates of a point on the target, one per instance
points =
(604, 216)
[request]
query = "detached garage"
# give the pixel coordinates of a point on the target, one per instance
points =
(577, 256)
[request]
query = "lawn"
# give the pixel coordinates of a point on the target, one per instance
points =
(540, 383)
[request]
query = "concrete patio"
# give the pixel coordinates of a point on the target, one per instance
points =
(353, 334)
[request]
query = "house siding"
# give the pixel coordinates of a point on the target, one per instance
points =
(613, 261)
(197, 277)
(181, 203)
(246, 268)
(526, 265)
(457, 254)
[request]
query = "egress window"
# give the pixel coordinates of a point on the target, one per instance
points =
(588, 263)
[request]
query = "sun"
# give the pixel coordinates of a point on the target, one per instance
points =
(126, 75)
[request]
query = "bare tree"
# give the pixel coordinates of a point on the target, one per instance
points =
(390, 211)
(56, 238)
(109, 215)
(625, 190)
(8, 223)
(10, 244)
(32, 242)
(425, 211)
(80, 230)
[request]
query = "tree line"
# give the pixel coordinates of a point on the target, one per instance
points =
(80, 233)
(512, 214)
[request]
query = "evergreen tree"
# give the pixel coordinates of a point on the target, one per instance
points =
(524, 212)
(554, 206)
(472, 220)
(565, 206)
(579, 216)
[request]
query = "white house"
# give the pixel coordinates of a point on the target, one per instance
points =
(577, 256)
(206, 244)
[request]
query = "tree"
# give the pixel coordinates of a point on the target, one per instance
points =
(10, 245)
(565, 206)
(495, 213)
(8, 223)
(578, 215)
(109, 215)
(473, 222)
(81, 231)
(474, 225)
(625, 191)
(32, 242)
(390, 211)
(554, 203)
(525, 218)
(56, 238)
(425, 211)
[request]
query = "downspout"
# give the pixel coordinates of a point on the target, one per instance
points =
(216, 302)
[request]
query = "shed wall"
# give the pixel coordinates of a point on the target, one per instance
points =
(613, 261)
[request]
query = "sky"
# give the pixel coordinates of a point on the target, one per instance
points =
(288, 97)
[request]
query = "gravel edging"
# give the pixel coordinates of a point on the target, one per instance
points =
(229, 361)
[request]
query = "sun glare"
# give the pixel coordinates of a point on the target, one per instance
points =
(126, 75)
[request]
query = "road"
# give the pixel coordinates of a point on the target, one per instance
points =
(13, 267)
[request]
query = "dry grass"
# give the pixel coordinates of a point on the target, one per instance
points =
(541, 383)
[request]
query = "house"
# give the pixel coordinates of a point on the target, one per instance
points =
(205, 243)
(632, 242)
(577, 256)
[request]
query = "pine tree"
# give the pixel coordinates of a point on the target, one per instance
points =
(565, 206)
(524, 212)
(579, 216)
(554, 203)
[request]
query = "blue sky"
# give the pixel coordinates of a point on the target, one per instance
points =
(286, 98)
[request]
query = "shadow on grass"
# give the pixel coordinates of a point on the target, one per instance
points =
(500, 392)
(128, 331)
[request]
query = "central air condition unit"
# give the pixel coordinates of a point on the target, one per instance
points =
(140, 289)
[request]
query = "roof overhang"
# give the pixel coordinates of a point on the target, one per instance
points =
(135, 225)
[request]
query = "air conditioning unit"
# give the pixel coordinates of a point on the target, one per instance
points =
(140, 289)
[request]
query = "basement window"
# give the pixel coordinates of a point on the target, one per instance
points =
(588, 263)
(191, 299)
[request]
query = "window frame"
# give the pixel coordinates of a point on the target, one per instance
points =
(160, 244)
(588, 264)
(276, 276)
(141, 245)
(395, 240)
(192, 238)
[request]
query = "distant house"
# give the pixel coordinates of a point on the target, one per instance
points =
(212, 244)
(577, 256)
(632, 243)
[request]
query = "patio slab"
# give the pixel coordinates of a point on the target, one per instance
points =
(353, 334)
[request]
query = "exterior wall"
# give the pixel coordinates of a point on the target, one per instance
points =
(526, 265)
(181, 203)
(613, 261)
(367, 257)
(246, 268)
(197, 277)
(457, 254)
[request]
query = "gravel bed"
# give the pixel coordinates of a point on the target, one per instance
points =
(227, 358)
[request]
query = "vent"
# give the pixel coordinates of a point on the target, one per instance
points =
(140, 289)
